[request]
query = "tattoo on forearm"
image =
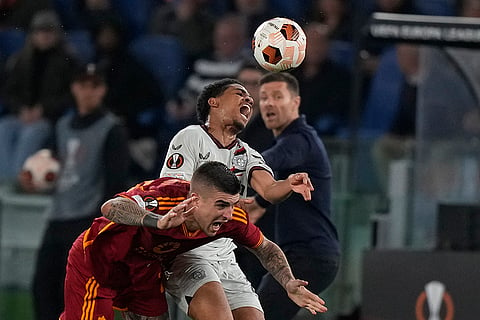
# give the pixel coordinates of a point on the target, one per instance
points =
(274, 260)
(126, 212)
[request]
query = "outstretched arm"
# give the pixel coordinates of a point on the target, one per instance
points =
(274, 260)
(276, 191)
(125, 211)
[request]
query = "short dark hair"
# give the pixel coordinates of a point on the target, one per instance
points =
(290, 80)
(212, 90)
(217, 175)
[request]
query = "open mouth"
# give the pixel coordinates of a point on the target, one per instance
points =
(245, 111)
(216, 226)
(270, 115)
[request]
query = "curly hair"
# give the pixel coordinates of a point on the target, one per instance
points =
(212, 90)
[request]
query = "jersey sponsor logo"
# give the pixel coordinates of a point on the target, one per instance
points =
(174, 147)
(150, 203)
(166, 247)
(175, 161)
(204, 157)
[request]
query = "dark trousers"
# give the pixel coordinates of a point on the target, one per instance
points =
(49, 274)
(318, 271)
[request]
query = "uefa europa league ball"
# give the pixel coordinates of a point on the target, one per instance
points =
(43, 169)
(279, 44)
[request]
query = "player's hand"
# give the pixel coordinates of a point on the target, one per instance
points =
(244, 203)
(177, 215)
(300, 183)
(303, 297)
(254, 210)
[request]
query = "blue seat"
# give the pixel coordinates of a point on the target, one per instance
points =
(342, 52)
(11, 40)
(436, 7)
(136, 14)
(67, 10)
(82, 44)
(165, 57)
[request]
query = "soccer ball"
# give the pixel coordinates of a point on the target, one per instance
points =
(279, 44)
(42, 169)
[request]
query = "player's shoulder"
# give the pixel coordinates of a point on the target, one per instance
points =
(190, 131)
(164, 184)
(246, 146)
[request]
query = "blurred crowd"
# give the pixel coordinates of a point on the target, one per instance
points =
(158, 54)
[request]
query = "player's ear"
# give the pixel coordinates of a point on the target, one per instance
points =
(213, 102)
(195, 197)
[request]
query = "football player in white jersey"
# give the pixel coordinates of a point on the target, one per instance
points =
(201, 278)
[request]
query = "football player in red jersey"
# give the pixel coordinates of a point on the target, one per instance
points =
(121, 266)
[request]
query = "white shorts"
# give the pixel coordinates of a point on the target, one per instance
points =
(189, 274)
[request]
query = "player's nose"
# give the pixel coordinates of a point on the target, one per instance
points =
(249, 100)
(228, 213)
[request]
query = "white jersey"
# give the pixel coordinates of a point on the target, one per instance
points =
(193, 146)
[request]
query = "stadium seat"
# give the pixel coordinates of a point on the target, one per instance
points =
(136, 14)
(68, 13)
(342, 52)
(165, 57)
(436, 7)
(82, 44)
(11, 40)
(295, 10)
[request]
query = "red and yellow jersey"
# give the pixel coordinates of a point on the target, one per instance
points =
(138, 252)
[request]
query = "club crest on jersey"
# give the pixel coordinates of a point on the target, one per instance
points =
(239, 160)
(204, 157)
(150, 203)
(175, 161)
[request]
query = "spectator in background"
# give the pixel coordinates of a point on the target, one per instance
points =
(398, 142)
(189, 21)
(230, 51)
(91, 146)
(35, 91)
(372, 50)
(180, 112)
(336, 15)
(134, 94)
(324, 84)
(468, 8)
(255, 12)
(91, 13)
(19, 13)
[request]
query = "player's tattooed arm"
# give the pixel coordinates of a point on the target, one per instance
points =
(274, 260)
(125, 211)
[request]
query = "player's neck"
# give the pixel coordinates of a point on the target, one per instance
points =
(224, 135)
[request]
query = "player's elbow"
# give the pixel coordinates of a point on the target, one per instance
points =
(105, 209)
